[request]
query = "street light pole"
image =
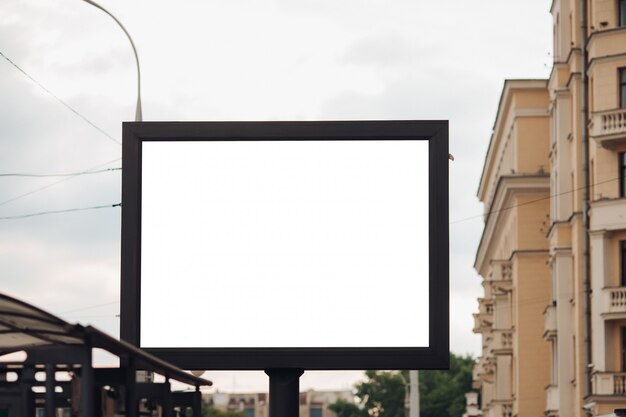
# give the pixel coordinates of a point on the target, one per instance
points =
(414, 407)
(138, 114)
(411, 393)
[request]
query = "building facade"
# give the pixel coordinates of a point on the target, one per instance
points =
(584, 279)
(513, 254)
(312, 403)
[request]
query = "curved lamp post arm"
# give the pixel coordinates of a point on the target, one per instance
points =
(138, 114)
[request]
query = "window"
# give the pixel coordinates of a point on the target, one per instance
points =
(622, 174)
(622, 261)
(622, 86)
(622, 12)
(315, 412)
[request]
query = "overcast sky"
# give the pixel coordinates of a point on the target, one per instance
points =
(235, 60)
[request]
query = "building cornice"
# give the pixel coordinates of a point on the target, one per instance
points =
(558, 223)
(499, 123)
(601, 33)
(604, 59)
(507, 187)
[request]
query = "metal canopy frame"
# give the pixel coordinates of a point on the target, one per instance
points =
(52, 344)
(435, 356)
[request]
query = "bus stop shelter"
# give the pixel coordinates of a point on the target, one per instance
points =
(55, 347)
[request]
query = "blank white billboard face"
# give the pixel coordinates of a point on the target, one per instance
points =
(284, 244)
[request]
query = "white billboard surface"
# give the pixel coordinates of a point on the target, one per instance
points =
(284, 243)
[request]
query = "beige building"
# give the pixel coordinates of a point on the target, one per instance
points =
(312, 403)
(513, 255)
(584, 330)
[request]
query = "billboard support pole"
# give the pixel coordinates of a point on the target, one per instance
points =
(284, 392)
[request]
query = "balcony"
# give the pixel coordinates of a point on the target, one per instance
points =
(552, 399)
(502, 342)
(609, 383)
(549, 322)
(485, 306)
(482, 322)
(500, 408)
(500, 271)
(484, 318)
(608, 214)
(614, 303)
(480, 375)
(608, 128)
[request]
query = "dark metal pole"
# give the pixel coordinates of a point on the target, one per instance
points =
(168, 405)
(50, 380)
(87, 385)
(284, 392)
(131, 393)
(27, 379)
(197, 402)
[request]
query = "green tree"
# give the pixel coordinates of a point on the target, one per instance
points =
(442, 393)
(345, 408)
(382, 394)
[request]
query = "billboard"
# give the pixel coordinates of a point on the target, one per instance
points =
(312, 245)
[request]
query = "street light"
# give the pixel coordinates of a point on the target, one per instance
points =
(412, 393)
(138, 115)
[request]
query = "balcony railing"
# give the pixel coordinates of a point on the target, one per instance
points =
(608, 128)
(552, 398)
(502, 341)
(609, 383)
(500, 271)
(549, 322)
(482, 321)
(485, 306)
(501, 408)
(614, 300)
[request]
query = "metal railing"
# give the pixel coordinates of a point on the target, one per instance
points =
(615, 300)
(609, 383)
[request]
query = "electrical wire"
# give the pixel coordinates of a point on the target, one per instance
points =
(36, 190)
(59, 174)
(531, 201)
(70, 108)
(41, 213)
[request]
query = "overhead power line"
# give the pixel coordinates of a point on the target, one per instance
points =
(36, 190)
(42, 213)
(60, 174)
(531, 201)
(57, 98)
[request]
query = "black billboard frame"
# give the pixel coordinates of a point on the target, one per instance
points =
(435, 356)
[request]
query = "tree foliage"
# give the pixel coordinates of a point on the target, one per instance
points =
(442, 393)
(382, 394)
(345, 408)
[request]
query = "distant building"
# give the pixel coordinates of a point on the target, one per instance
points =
(312, 403)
